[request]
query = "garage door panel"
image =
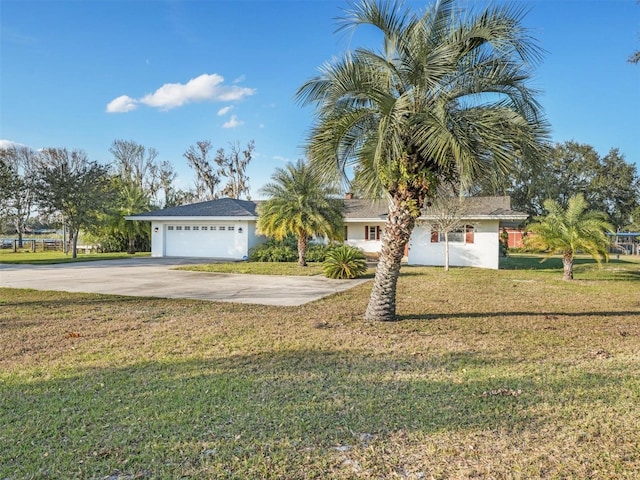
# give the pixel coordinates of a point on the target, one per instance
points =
(198, 243)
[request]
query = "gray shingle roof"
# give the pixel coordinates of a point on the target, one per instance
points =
(354, 209)
(222, 207)
(360, 208)
(473, 207)
(483, 207)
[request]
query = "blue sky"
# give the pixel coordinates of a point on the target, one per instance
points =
(81, 74)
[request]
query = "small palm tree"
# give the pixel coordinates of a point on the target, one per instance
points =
(567, 231)
(299, 205)
(345, 262)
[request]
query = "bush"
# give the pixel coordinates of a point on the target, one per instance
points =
(317, 252)
(287, 251)
(275, 251)
(344, 262)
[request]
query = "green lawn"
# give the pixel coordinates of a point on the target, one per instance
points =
(258, 268)
(489, 374)
(24, 256)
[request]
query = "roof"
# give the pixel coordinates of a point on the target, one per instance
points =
(355, 210)
(221, 207)
(473, 208)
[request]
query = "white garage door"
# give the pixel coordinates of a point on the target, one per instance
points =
(215, 241)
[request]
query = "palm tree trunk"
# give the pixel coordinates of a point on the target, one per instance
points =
(302, 250)
(567, 262)
(397, 230)
(132, 244)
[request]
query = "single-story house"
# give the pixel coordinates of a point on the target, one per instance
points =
(226, 229)
(475, 244)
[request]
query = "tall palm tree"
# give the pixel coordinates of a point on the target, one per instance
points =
(299, 205)
(567, 231)
(446, 98)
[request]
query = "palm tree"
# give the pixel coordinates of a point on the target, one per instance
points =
(567, 231)
(132, 199)
(299, 205)
(445, 99)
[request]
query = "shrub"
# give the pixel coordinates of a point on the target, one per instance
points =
(287, 251)
(275, 251)
(345, 261)
(317, 252)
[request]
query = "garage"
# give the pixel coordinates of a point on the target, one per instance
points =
(224, 228)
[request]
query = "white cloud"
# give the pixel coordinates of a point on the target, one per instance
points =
(224, 110)
(240, 79)
(122, 104)
(6, 144)
(171, 95)
(232, 123)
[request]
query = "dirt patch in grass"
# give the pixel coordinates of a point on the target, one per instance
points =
(489, 374)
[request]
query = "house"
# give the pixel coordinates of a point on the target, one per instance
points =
(226, 229)
(474, 244)
(627, 243)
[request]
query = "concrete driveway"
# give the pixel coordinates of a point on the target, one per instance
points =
(154, 277)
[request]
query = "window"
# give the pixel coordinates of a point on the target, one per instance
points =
(203, 228)
(187, 227)
(346, 233)
(222, 228)
(170, 227)
(231, 228)
(371, 232)
(455, 236)
(469, 234)
(179, 227)
(196, 227)
(213, 228)
(459, 235)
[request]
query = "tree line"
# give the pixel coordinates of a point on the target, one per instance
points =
(608, 183)
(68, 189)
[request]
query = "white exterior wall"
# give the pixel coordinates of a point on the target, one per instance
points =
(356, 236)
(157, 239)
(253, 238)
(483, 252)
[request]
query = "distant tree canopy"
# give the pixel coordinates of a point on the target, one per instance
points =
(138, 165)
(17, 197)
(233, 166)
(71, 185)
(609, 184)
(210, 172)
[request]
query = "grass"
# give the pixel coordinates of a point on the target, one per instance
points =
(489, 374)
(258, 268)
(263, 268)
(52, 257)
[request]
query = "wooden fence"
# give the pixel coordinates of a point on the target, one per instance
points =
(35, 245)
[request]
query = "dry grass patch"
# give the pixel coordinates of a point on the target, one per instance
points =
(490, 374)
